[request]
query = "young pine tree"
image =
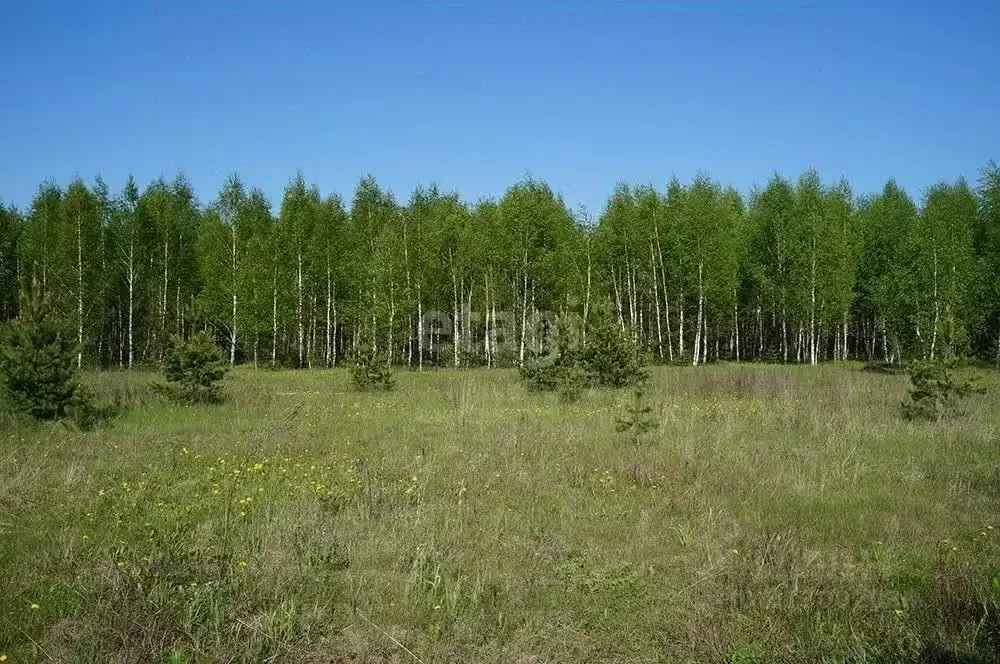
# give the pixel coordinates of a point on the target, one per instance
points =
(38, 363)
(193, 370)
(935, 391)
(371, 372)
(609, 357)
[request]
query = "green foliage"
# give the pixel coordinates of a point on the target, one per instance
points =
(541, 374)
(801, 270)
(749, 654)
(638, 418)
(562, 374)
(193, 369)
(38, 364)
(559, 371)
(609, 356)
(372, 373)
(573, 382)
(935, 391)
(10, 231)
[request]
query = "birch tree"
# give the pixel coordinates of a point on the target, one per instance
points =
(39, 237)
(78, 267)
(260, 252)
(131, 248)
(944, 266)
(779, 265)
(883, 290)
(299, 211)
(327, 257)
(709, 258)
(221, 249)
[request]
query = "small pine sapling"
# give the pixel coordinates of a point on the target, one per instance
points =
(372, 373)
(194, 369)
(609, 356)
(638, 419)
(935, 391)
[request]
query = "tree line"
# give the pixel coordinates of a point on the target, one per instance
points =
(796, 271)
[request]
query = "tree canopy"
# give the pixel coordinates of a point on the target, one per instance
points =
(799, 270)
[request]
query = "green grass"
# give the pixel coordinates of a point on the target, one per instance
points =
(776, 515)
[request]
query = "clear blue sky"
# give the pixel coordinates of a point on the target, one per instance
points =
(474, 94)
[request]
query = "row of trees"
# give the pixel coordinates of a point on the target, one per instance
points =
(799, 271)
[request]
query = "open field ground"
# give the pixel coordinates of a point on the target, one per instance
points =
(777, 515)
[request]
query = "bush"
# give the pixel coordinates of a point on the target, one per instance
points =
(935, 392)
(193, 370)
(38, 365)
(371, 372)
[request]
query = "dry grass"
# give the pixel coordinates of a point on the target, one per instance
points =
(777, 515)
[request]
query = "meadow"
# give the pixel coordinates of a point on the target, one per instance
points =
(777, 514)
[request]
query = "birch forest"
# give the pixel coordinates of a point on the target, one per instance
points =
(797, 271)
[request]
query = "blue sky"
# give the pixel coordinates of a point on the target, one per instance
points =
(473, 95)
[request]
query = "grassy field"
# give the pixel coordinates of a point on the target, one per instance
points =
(777, 515)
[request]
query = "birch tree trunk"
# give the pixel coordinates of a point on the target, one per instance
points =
(656, 299)
(736, 322)
(618, 300)
(701, 307)
(680, 329)
(131, 300)
(166, 283)
(299, 305)
(524, 308)
(486, 326)
(586, 297)
(420, 329)
(274, 317)
(392, 319)
(232, 344)
(454, 309)
(328, 352)
(812, 307)
(666, 298)
(937, 306)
